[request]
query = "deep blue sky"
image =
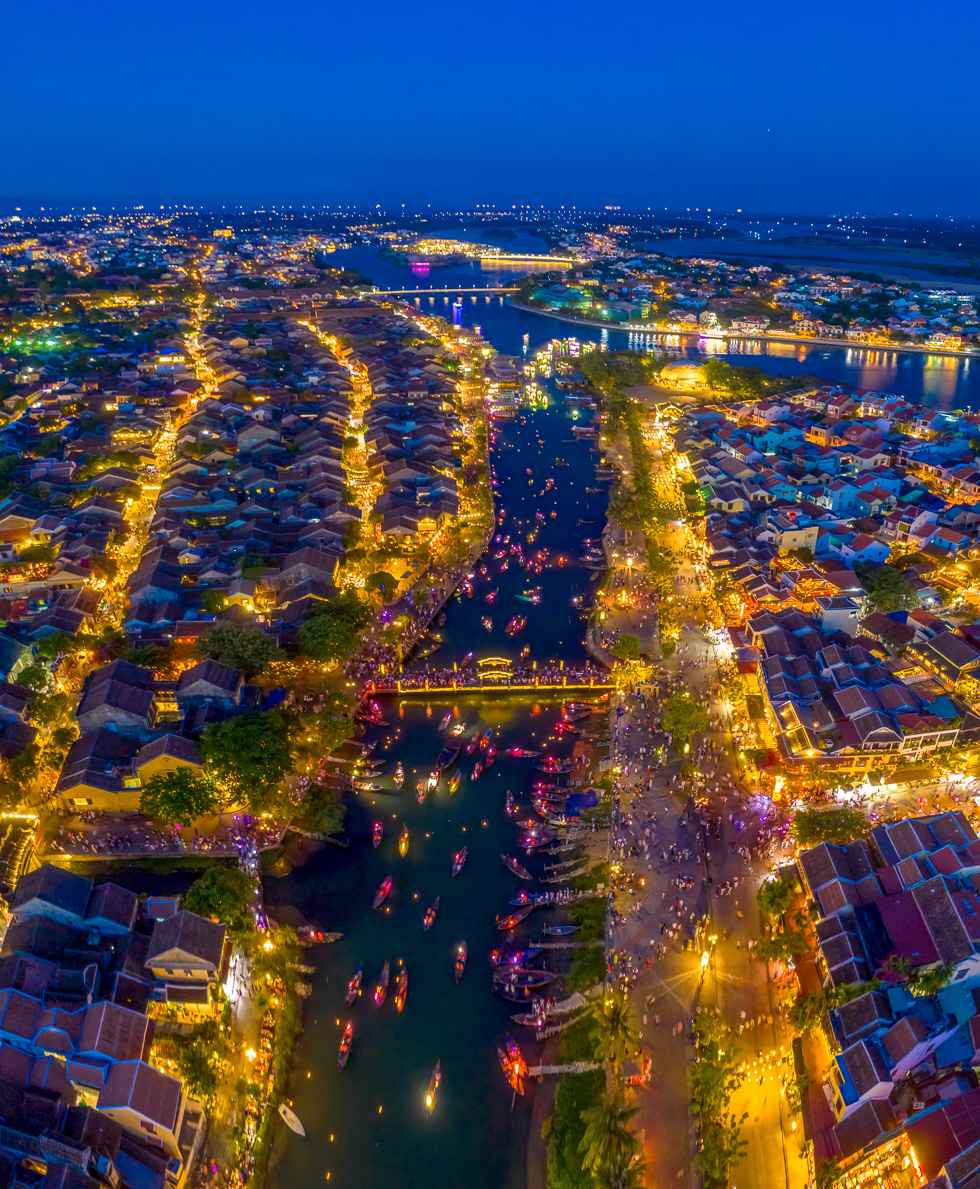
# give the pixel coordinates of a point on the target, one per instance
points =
(848, 105)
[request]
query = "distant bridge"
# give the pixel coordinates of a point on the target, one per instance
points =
(432, 292)
(489, 685)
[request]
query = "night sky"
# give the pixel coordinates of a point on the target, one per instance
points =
(769, 107)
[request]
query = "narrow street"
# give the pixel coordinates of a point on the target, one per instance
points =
(675, 913)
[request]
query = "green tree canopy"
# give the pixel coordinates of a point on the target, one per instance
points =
(840, 825)
(613, 1034)
(321, 811)
(33, 677)
(773, 898)
(45, 709)
(888, 590)
(240, 647)
(626, 648)
(383, 584)
(57, 644)
(250, 755)
(178, 796)
(224, 894)
(682, 718)
(333, 627)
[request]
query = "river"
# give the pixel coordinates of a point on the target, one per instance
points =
(366, 1126)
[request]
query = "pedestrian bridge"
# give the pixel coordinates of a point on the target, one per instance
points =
(493, 673)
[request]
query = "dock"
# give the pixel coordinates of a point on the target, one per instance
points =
(542, 1071)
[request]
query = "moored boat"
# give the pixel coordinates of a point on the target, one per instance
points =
(377, 834)
(354, 986)
(403, 842)
(520, 976)
(491, 755)
(445, 720)
(513, 1064)
(430, 1098)
(561, 930)
(381, 987)
(512, 865)
(382, 893)
(430, 915)
(460, 960)
(401, 988)
(510, 805)
(447, 756)
(345, 1044)
(291, 1119)
(459, 858)
(514, 919)
(485, 738)
(472, 743)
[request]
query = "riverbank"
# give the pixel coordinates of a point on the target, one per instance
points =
(657, 329)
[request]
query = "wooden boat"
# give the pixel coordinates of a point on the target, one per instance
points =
(512, 865)
(403, 842)
(354, 986)
(561, 930)
(377, 834)
(485, 739)
(447, 756)
(367, 786)
(477, 771)
(291, 1120)
(381, 988)
(459, 858)
(442, 619)
(507, 956)
(535, 1018)
(490, 596)
(345, 1044)
(381, 895)
(399, 775)
(510, 805)
(520, 976)
(430, 915)
(433, 780)
(445, 720)
(420, 792)
(491, 755)
(457, 729)
(473, 743)
(513, 1064)
(487, 623)
(454, 781)
(401, 988)
(460, 960)
(522, 753)
(430, 1098)
(516, 625)
(514, 919)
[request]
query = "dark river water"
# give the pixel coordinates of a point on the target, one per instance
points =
(366, 1126)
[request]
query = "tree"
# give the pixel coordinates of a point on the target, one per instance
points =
(383, 584)
(626, 648)
(839, 825)
(34, 677)
(45, 709)
(56, 644)
(38, 555)
(682, 718)
(773, 898)
(196, 1065)
(178, 796)
(279, 957)
(250, 755)
(224, 894)
(332, 629)
(888, 590)
(608, 1145)
(240, 647)
(65, 736)
(613, 1035)
(321, 812)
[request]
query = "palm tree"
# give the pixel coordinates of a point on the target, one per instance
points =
(613, 1035)
(608, 1145)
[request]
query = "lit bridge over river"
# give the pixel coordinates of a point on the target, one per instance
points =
(433, 292)
(493, 674)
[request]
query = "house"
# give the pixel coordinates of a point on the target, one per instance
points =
(166, 754)
(185, 956)
(212, 683)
